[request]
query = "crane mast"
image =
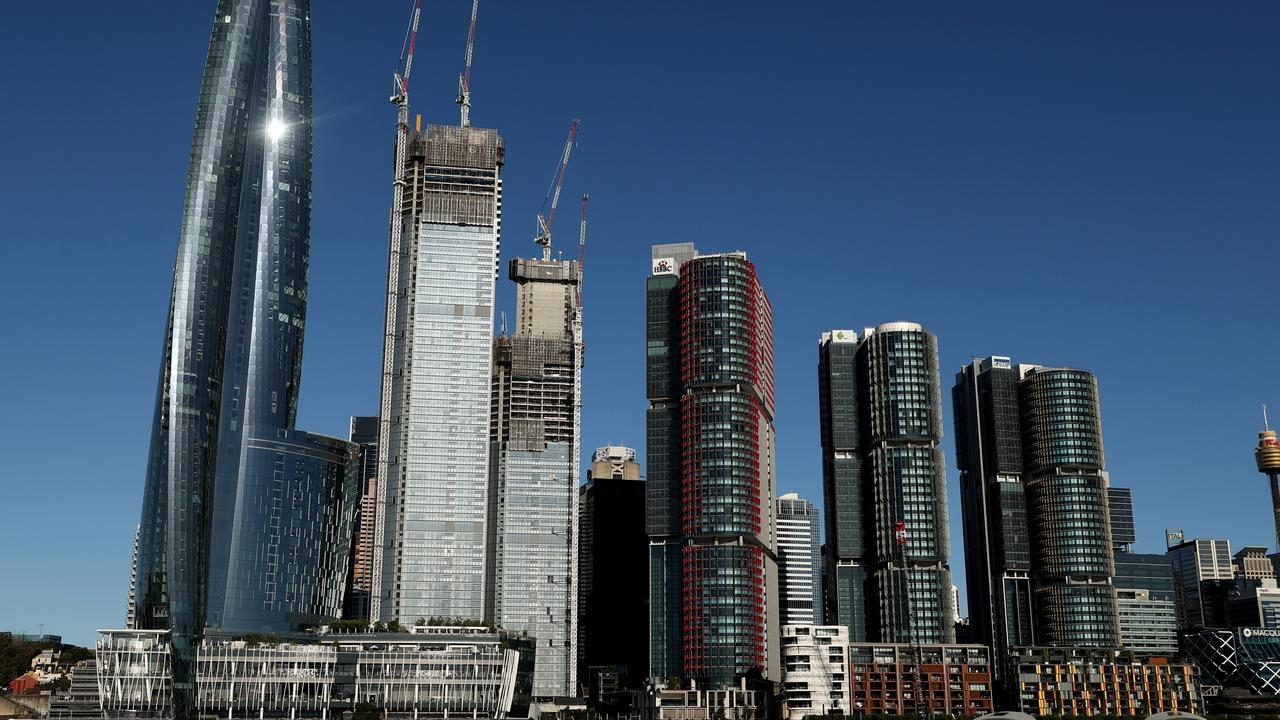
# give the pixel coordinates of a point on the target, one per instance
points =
(582, 250)
(544, 224)
(464, 80)
(401, 100)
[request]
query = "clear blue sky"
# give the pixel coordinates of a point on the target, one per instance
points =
(1087, 183)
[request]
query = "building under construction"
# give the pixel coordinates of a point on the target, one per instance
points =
(432, 488)
(534, 445)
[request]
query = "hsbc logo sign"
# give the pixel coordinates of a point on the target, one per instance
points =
(664, 266)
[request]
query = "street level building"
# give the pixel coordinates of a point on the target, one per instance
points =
(711, 462)
(613, 550)
(898, 679)
(1246, 659)
(1096, 681)
(1147, 626)
(214, 549)
(799, 561)
(885, 484)
(434, 672)
(815, 679)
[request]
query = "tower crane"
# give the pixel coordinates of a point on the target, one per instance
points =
(464, 80)
(582, 250)
(544, 224)
(401, 100)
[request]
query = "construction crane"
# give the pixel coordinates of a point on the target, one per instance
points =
(544, 224)
(582, 250)
(464, 80)
(401, 100)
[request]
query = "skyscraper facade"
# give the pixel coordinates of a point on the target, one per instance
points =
(799, 561)
(430, 533)
(1067, 507)
(900, 414)
(364, 435)
(846, 554)
(612, 587)
(993, 500)
(711, 458)
(887, 527)
(534, 448)
(1120, 506)
(245, 522)
(1204, 578)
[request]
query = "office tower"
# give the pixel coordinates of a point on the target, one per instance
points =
(1146, 603)
(245, 521)
(1268, 458)
(363, 434)
(885, 484)
(1067, 507)
(993, 500)
(845, 554)
(534, 448)
(799, 561)
(711, 460)
(613, 550)
(1120, 506)
(1204, 579)
(433, 467)
(900, 416)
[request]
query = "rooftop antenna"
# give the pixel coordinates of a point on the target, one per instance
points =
(464, 80)
(1265, 425)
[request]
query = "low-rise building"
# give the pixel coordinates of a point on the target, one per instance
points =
(1147, 625)
(814, 670)
(952, 679)
(425, 673)
(659, 702)
(1094, 681)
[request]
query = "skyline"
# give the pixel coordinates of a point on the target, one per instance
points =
(101, 490)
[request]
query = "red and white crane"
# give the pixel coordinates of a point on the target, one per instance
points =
(544, 224)
(464, 80)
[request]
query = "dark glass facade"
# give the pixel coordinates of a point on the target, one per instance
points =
(1152, 572)
(880, 406)
(719, 318)
(900, 418)
(845, 554)
(994, 504)
(224, 456)
(1067, 507)
(364, 435)
(612, 594)
(1120, 505)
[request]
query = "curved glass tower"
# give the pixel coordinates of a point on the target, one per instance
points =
(711, 456)
(1067, 507)
(901, 421)
(240, 512)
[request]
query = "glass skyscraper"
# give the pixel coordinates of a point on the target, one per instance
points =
(993, 499)
(1067, 507)
(885, 485)
(246, 522)
(433, 475)
(711, 459)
